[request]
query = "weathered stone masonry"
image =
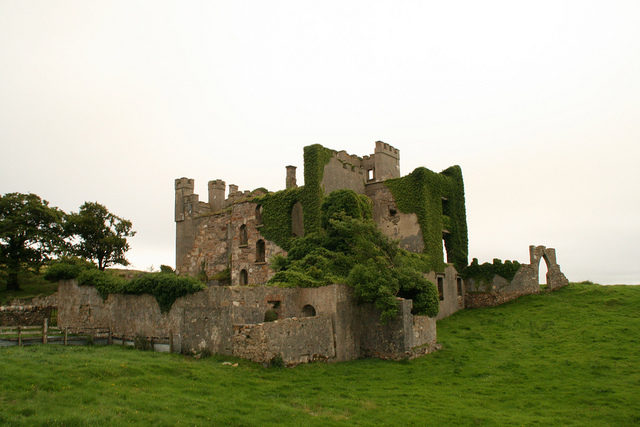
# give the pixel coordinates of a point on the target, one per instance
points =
(525, 282)
(314, 323)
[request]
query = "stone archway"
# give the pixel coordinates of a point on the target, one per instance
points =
(555, 277)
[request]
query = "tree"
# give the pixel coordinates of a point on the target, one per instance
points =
(30, 232)
(99, 235)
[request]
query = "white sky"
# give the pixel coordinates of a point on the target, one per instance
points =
(539, 102)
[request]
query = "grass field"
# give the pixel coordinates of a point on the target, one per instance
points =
(31, 285)
(571, 357)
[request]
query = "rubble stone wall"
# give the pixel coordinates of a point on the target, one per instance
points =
(313, 323)
(24, 315)
(296, 340)
(525, 281)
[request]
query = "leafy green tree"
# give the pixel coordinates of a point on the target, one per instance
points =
(30, 233)
(99, 235)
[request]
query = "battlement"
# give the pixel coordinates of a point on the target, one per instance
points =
(217, 184)
(382, 147)
(184, 183)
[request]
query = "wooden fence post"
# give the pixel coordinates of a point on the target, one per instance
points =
(170, 341)
(45, 330)
(66, 330)
(110, 338)
(19, 336)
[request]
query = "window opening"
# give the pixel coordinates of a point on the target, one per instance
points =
(308, 311)
(244, 239)
(441, 288)
(459, 282)
(260, 251)
(244, 277)
(446, 210)
(369, 174)
(259, 215)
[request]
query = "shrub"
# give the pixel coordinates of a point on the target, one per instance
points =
(350, 249)
(166, 269)
(276, 362)
(104, 282)
(141, 342)
(165, 287)
(485, 272)
(66, 268)
(223, 277)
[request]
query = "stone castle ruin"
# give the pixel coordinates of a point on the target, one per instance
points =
(233, 237)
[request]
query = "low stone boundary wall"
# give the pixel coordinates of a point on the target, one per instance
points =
(24, 315)
(478, 299)
(296, 340)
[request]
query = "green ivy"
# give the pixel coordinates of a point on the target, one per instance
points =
(421, 192)
(351, 249)
(276, 215)
(276, 207)
(165, 287)
(484, 273)
(315, 158)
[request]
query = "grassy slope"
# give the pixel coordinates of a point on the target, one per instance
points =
(31, 285)
(569, 358)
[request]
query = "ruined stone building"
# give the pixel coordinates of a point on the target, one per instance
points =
(234, 233)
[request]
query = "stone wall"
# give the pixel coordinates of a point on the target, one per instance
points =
(217, 245)
(296, 340)
(525, 281)
(24, 315)
(452, 299)
(313, 323)
(341, 174)
(401, 227)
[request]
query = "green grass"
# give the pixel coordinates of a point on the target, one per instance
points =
(31, 285)
(571, 357)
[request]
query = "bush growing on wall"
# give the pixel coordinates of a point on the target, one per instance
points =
(165, 287)
(484, 272)
(350, 249)
(66, 268)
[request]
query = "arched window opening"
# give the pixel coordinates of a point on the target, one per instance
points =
(244, 277)
(244, 239)
(543, 272)
(445, 248)
(259, 215)
(308, 311)
(297, 220)
(260, 251)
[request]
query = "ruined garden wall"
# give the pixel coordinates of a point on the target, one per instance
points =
(24, 315)
(230, 320)
(295, 339)
(525, 281)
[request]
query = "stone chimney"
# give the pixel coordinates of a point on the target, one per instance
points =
(291, 177)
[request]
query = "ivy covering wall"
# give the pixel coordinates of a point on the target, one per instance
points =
(277, 207)
(422, 192)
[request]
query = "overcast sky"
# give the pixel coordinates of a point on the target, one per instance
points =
(538, 102)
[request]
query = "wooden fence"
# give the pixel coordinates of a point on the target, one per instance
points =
(49, 334)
